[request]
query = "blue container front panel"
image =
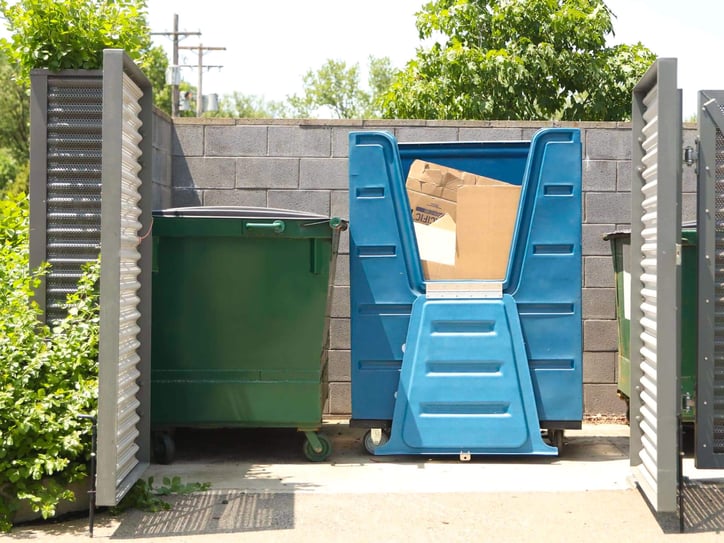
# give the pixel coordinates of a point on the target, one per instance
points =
(544, 274)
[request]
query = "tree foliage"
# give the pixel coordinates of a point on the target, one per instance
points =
(48, 377)
(71, 34)
(249, 106)
(14, 113)
(336, 86)
(522, 59)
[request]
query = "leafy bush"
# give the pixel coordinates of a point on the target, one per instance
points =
(71, 34)
(48, 377)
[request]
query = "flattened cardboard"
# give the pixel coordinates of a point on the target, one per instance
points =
(485, 226)
(486, 218)
(432, 190)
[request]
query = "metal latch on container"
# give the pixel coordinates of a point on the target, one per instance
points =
(678, 254)
(275, 226)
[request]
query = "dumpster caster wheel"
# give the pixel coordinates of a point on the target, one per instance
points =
(556, 439)
(164, 449)
(325, 449)
(374, 437)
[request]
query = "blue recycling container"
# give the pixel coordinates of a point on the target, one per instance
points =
(477, 367)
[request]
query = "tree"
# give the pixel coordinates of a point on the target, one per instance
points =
(154, 64)
(248, 106)
(72, 34)
(524, 59)
(14, 113)
(336, 86)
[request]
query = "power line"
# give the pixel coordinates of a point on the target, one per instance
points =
(174, 66)
(200, 66)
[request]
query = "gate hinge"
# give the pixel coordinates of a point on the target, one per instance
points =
(691, 154)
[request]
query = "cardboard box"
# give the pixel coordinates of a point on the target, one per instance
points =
(432, 190)
(479, 215)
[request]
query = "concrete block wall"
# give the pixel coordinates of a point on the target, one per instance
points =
(161, 159)
(302, 164)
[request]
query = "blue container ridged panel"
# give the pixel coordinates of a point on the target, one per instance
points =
(544, 276)
(465, 382)
(380, 260)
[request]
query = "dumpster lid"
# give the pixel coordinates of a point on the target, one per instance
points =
(243, 212)
(626, 233)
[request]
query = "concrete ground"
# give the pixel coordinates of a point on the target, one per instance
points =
(262, 489)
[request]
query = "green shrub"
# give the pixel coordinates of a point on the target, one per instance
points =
(71, 34)
(48, 377)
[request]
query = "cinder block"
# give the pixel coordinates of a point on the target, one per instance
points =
(161, 196)
(343, 242)
(339, 203)
(593, 242)
(235, 197)
(162, 133)
(623, 176)
(490, 134)
(204, 173)
(340, 141)
(599, 367)
(599, 399)
(239, 140)
(185, 197)
(188, 140)
(688, 207)
(600, 335)
(598, 272)
(599, 175)
(267, 173)
(421, 133)
(312, 201)
(339, 334)
(341, 275)
(339, 366)
(299, 141)
(607, 207)
(599, 303)
(605, 144)
(340, 302)
(340, 398)
(323, 173)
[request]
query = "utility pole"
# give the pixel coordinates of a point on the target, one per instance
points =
(175, 66)
(200, 66)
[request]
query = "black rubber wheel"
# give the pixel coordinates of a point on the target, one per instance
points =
(164, 448)
(318, 456)
(556, 439)
(369, 444)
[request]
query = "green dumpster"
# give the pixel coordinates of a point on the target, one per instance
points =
(240, 321)
(620, 250)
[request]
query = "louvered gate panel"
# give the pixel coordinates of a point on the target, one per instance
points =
(66, 191)
(710, 362)
(655, 256)
(91, 135)
(123, 451)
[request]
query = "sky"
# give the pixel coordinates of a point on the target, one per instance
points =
(271, 44)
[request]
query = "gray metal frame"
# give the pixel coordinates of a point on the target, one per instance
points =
(710, 360)
(112, 485)
(655, 333)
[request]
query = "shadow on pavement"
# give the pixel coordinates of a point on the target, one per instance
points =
(703, 506)
(213, 512)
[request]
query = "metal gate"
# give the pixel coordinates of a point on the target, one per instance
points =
(655, 284)
(710, 362)
(90, 187)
